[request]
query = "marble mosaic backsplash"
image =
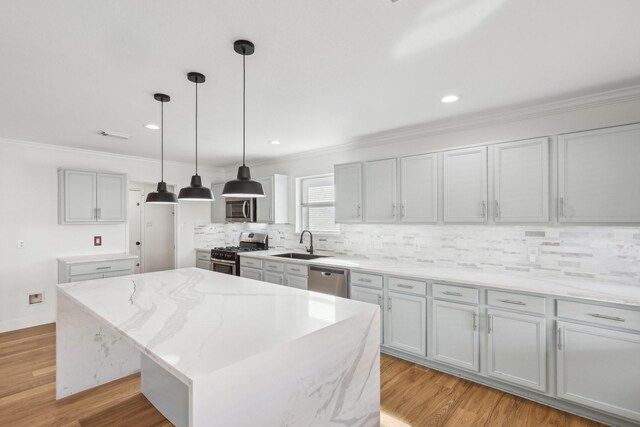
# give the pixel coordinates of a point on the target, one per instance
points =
(606, 253)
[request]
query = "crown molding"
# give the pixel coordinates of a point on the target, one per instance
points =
(466, 122)
(66, 149)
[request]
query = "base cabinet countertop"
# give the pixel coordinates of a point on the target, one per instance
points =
(569, 343)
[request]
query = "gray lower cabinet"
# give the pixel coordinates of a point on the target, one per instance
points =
(275, 278)
(406, 323)
(516, 350)
(372, 296)
(299, 282)
(91, 269)
(456, 336)
(203, 259)
(599, 368)
(251, 273)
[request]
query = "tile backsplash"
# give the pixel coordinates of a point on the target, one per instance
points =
(606, 253)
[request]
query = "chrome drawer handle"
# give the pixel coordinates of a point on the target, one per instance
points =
(602, 316)
(510, 301)
(103, 268)
(364, 280)
(455, 294)
(475, 324)
(400, 285)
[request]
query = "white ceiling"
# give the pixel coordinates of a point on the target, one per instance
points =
(324, 72)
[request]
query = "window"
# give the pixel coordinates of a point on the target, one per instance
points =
(317, 205)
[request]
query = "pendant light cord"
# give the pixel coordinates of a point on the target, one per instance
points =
(196, 128)
(162, 141)
(244, 101)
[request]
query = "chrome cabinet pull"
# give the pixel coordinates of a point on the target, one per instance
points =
(602, 316)
(455, 294)
(490, 322)
(103, 268)
(484, 209)
(562, 207)
(401, 285)
(497, 209)
(389, 303)
(358, 211)
(475, 324)
(99, 213)
(393, 209)
(361, 279)
(510, 301)
(402, 210)
(380, 300)
(559, 338)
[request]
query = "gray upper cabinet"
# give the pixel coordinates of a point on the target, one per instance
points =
(348, 196)
(521, 181)
(218, 206)
(380, 191)
(111, 197)
(273, 208)
(90, 197)
(598, 175)
(419, 189)
(465, 185)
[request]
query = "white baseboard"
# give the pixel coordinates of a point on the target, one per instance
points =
(26, 322)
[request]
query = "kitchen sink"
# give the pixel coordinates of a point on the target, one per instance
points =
(294, 255)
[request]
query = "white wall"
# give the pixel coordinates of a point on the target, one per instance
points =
(28, 211)
(572, 119)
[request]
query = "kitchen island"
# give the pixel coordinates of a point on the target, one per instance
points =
(215, 349)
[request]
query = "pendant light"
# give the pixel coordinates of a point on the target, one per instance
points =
(243, 186)
(196, 192)
(162, 196)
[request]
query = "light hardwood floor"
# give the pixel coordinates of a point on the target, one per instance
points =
(411, 395)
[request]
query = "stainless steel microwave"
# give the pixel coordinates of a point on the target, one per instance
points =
(240, 210)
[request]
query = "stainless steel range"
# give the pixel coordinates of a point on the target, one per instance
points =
(226, 260)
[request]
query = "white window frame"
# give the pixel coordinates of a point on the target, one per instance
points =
(300, 222)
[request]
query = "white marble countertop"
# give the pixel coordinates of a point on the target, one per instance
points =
(588, 289)
(194, 321)
(95, 258)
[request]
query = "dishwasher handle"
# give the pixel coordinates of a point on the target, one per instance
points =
(327, 271)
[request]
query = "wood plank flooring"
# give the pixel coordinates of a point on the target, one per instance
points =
(411, 395)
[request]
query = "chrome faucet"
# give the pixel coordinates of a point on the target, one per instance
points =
(310, 248)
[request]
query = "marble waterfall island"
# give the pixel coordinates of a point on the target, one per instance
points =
(215, 349)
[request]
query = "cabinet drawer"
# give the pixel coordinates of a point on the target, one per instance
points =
(455, 293)
(100, 267)
(370, 280)
(298, 269)
(407, 286)
(274, 266)
(598, 314)
(250, 262)
(83, 277)
(203, 256)
(528, 303)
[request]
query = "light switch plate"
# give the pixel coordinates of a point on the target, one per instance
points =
(97, 240)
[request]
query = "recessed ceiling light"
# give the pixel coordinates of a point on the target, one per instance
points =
(152, 126)
(449, 99)
(274, 142)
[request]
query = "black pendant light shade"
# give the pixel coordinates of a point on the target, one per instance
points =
(195, 191)
(162, 196)
(243, 186)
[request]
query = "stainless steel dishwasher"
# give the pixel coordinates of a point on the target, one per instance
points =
(332, 281)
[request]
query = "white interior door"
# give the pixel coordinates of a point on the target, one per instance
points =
(135, 227)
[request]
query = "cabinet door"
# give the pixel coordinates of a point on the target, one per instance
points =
(296, 282)
(456, 335)
(264, 205)
(599, 368)
(348, 188)
(517, 349)
(372, 296)
(251, 273)
(598, 175)
(521, 181)
(112, 197)
(419, 188)
(218, 206)
(206, 265)
(79, 204)
(380, 182)
(406, 323)
(465, 185)
(275, 278)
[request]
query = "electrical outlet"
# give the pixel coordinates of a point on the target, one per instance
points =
(533, 253)
(22, 244)
(36, 298)
(97, 240)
